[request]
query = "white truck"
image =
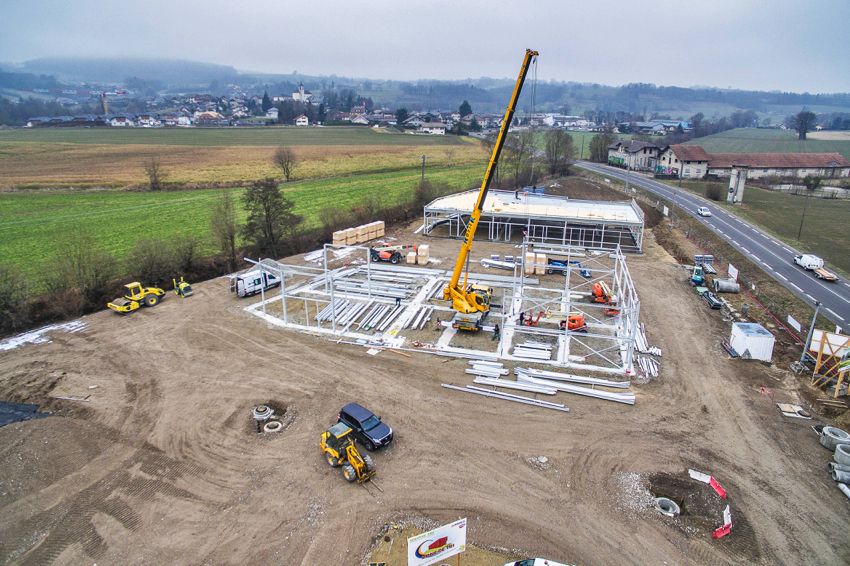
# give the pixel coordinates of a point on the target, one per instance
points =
(253, 282)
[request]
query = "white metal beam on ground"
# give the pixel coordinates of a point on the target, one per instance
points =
(627, 398)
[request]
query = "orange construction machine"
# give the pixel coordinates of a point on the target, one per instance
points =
(602, 294)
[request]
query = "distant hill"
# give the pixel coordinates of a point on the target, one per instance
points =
(107, 70)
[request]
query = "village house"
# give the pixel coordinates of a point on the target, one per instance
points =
(302, 120)
(633, 154)
(686, 161)
(799, 165)
(693, 162)
(272, 113)
(437, 128)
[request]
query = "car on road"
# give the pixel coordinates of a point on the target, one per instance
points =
(703, 211)
(365, 426)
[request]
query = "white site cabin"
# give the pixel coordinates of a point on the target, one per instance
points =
(251, 283)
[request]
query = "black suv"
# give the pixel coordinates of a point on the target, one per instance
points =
(365, 426)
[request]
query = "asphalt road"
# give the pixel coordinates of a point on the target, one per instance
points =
(772, 255)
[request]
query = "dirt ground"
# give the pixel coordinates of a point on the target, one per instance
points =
(163, 464)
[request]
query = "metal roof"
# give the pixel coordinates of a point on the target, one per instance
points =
(547, 207)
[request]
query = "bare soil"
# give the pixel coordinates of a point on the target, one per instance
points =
(163, 464)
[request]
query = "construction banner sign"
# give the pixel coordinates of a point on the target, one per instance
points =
(437, 545)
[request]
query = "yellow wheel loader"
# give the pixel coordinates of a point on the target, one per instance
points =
(135, 296)
(338, 446)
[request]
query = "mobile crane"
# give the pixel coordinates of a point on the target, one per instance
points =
(472, 302)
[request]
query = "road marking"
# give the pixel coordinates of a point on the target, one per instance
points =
(736, 243)
(787, 250)
(833, 313)
(745, 250)
(795, 286)
(781, 277)
(809, 296)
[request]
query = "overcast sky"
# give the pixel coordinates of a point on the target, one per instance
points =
(789, 45)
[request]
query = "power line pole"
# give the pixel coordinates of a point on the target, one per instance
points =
(422, 182)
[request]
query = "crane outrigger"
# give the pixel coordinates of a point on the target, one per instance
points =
(472, 303)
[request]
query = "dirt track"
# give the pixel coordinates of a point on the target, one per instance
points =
(164, 466)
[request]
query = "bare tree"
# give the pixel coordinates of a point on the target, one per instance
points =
(285, 160)
(518, 151)
(803, 122)
(450, 153)
(80, 271)
(270, 217)
(156, 174)
(560, 152)
(224, 227)
(599, 146)
(14, 310)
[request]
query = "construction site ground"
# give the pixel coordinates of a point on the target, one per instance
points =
(162, 463)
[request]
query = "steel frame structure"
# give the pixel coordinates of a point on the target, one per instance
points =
(608, 347)
(509, 226)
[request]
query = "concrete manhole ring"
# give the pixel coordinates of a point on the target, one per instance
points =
(667, 507)
(273, 426)
(262, 413)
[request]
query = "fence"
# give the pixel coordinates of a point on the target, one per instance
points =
(822, 192)
(765, 301)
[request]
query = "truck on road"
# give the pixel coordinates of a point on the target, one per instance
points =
(815, 264)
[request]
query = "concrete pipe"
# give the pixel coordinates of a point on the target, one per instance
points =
(841, 477)
(844, 489)
(840, 467)
(726, 286)
(832, 437)
(842, 454)
(667, 507)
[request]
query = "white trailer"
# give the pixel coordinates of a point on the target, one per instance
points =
(251, 283)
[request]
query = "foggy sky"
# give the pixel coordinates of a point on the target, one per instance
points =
(797, 46)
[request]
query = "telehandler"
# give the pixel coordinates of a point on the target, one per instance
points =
(338, 446)
(391, 254)
(135, 296)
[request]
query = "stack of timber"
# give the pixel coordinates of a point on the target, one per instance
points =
(422, 255)
(528, 265)
(541, 262)
(359, 234)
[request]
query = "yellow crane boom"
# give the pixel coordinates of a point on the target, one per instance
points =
(467, 300)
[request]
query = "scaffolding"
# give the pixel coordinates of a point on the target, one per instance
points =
(509, 215)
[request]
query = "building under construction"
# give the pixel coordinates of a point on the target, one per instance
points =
(508, 215)
(401, 306)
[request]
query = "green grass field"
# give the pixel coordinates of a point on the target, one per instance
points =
(30, 221)
(826, 231)
(751, 140)
(275, 136)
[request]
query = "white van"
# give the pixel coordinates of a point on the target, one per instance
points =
(808, 261)
(535, 562)
(253, 282)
